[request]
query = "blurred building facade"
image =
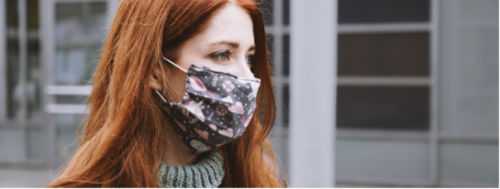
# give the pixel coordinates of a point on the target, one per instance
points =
(49, 51)
(417, 100)
(417, 88)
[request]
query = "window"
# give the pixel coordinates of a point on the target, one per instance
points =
(384, 92)
(20, 83)
(277, 18)
(383, 64)
(383, 11)
(411, 78)
(42, 96)
(77, 36)
(395, 108)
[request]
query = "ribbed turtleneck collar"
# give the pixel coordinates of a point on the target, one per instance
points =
(208, 173)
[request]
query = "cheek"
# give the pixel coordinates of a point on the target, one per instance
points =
(177, 86)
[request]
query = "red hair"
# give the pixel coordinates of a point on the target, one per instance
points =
(122, 138)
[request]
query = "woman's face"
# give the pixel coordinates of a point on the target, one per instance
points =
(227, 44)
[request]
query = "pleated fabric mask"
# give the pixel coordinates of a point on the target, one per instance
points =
(216, 108)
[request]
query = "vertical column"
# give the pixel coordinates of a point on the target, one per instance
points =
(3, 61)
(23, 57)
(278, 129)
(434, 109)
(313, 75)
(47, 19)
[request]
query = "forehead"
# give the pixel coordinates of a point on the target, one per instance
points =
(229, 23)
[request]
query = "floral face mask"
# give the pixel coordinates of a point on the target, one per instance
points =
(216, 108)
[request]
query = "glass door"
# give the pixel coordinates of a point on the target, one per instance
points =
(20, 102)
(74, 32)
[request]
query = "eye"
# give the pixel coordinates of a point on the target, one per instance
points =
(222, 56)
(250, 60)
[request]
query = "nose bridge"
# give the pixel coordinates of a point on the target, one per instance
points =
(241, 69)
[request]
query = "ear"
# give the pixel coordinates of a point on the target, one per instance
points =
(155, 79)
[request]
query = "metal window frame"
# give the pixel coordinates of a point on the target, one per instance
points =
(68, 90)
(430, 81)
(21, 124)
(83, 90)
(279, 133)
(3, 62)
(420, 136)
(373, 134)
(24, 125)
(434, 179)
(66, 109)
(383, 28)
(346, 182)
(277, 30)
(47, 20)
(364, 181)
(383, 81)
(23, 47)
(407, 81)
(433, 137)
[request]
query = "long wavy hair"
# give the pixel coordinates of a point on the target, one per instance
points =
(122, 139)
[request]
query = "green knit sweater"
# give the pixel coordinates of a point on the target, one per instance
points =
(208, 173)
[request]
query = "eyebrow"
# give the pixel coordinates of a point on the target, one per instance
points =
(232, 44)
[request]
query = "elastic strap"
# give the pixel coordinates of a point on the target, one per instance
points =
(174, 64)
(161, 96)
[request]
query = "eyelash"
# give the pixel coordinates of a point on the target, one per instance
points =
(250, 60)
(227, 53)
(219, 54)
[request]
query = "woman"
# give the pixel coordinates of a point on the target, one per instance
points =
(170, 70)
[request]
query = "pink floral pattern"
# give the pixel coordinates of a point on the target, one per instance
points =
(228, 86)
(215, 110)
(221, 110)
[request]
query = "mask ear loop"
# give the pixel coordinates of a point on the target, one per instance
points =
(161, 96)
(174, 64)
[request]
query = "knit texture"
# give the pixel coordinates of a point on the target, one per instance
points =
(208, 173)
